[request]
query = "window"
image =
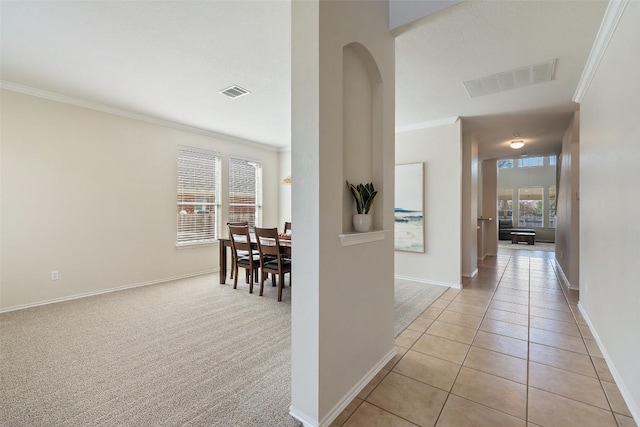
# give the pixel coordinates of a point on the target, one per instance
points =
(530, 207)
(245, 191)
(505, 164)
(505, 203)
(530, 162)
(552, 160)
(552, 206)
(198, 195)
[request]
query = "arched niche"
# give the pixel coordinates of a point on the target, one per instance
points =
(361, 127)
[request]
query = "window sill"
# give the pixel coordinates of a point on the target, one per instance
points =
(196, 244)
(361, 238)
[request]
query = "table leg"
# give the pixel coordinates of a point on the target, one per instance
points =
(223, 263)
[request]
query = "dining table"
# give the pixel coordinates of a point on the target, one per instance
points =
(225, 242)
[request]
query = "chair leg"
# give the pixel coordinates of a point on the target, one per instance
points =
(250, 277)
(262, 279)
(280, 280)
(235, 278)
(273, 280)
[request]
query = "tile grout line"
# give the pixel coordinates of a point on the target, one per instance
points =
(469, 349)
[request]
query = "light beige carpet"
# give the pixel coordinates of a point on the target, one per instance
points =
(411, 299)
(190, 352)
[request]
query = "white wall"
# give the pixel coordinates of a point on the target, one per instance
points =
(93, 196)
(568, 209)
(342, 313)
(610, 202)
(440, 148)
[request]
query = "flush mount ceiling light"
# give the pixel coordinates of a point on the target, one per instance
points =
(516, 144)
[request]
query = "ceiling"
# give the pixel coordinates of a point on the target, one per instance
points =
(169, 59)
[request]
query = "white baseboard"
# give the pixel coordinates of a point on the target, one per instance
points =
(563, 278)
(344, 402)
(470, 275)
(106, 291)
(633, 406)
(431, 282)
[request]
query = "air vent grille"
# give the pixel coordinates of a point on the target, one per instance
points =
(512, 79)
(234, 91)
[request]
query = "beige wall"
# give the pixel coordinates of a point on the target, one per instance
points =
(568, 209)
(489, 203)
(440, 148)
(342, 318)
(284, 195)
(470, 223)
(609, 205)
(93, 196)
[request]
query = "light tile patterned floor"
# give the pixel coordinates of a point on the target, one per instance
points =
(510, 349)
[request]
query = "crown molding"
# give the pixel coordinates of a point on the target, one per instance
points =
(608, 26)
(427, 124)
(52, 96)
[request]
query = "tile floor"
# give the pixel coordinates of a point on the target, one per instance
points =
(511, 349)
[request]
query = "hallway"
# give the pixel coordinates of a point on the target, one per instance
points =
(509, 349)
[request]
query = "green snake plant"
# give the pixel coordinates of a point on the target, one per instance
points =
(364, 195)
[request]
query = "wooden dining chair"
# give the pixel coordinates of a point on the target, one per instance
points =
(237, 224)
(243, 256)
(287, 227)
(271, 260)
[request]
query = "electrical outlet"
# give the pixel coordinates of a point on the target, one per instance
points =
(54, 275)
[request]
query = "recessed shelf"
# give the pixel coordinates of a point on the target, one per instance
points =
(361, 238)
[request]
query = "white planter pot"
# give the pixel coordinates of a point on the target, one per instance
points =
(362, 222)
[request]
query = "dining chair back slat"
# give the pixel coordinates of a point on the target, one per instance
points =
(271, 259)
(243, 255)
(237, 224)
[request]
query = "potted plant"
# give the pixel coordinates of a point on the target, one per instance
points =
(364, 195)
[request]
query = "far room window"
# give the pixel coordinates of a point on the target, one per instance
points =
(530, 162)
(245, 191)
(505, 203)
(505, 164)
(198, 195)
(552, 206)
(552, 160)
(530, 207)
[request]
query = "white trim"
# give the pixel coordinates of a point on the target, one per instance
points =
(52, 96)
(608, 26)
(427, 124)
(308, 421)
(633, 407)
(563, 278)
(431, 282)
(353, 393)
(361, 238)
(470, 275)
(106, 291)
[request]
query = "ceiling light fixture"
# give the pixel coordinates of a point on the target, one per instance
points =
(516, 144)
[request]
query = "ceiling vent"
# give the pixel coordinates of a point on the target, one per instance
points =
(235, 91)
(513, 79)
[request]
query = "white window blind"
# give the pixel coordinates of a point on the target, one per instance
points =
(245, 191)
(198, 195)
